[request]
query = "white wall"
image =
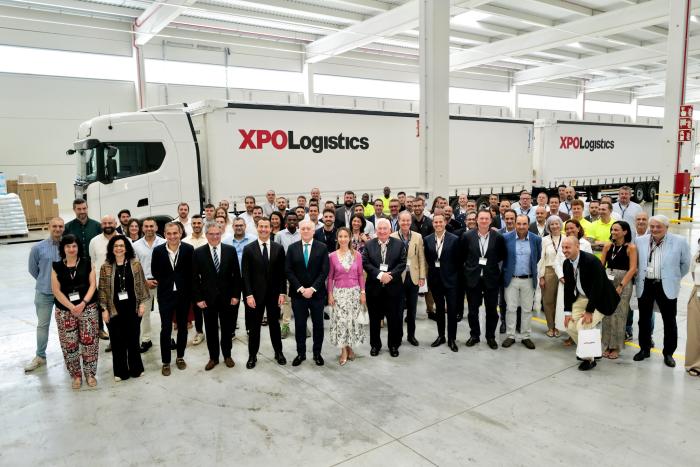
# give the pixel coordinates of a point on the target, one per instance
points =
(40, 117)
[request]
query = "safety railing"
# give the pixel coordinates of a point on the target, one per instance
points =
(678, 207)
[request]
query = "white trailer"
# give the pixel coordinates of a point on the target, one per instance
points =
(149, 161)
(594, 157)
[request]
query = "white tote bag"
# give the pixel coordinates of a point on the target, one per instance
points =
(589, 344)
(363, 316)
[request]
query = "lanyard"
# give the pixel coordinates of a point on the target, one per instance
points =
(653, 246)
(623, 211)
(556, 248)
(405, 240)
(382, 250)
(525, 213)
(483, 244)
(72, 272)
(568, 207)
(173, 262)
(121, 276)
(439, 244)
(615, 252)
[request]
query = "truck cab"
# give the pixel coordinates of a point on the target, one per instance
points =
(141, 161)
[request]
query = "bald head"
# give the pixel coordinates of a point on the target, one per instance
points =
(570, 247)
(56, 228)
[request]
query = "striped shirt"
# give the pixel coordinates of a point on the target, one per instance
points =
(41, 257)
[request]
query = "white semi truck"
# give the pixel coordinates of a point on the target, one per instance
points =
(149, 161)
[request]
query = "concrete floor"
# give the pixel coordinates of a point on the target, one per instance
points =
(427, 407)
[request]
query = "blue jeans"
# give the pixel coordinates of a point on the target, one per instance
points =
(44, 308)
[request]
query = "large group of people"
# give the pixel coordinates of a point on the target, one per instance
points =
(359, 264)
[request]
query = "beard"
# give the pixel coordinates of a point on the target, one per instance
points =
(108, 230)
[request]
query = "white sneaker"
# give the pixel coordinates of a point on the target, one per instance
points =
(198, 339)
(34, 364)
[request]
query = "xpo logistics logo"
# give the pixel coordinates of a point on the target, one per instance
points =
(577, 142)
(279, 139)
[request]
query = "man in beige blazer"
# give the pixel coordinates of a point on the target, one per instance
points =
(415, 274)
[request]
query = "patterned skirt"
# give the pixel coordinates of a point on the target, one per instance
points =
(345, 330)
(613, 335)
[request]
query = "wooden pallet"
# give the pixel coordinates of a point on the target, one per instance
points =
(37, 226)
(9, 236)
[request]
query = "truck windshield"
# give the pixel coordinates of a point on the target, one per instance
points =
(88, 165)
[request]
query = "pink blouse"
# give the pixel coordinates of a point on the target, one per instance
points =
(339, 277)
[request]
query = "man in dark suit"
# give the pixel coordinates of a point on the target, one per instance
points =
(307, 268)
(523, 251)
(443, 258)
(483, 250)
(344, 213)
(588, 294)
(384, 260)
(539, 226)
(171, 266)
(264, 287)
(216, 286)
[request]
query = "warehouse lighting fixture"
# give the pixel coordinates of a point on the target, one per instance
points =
(575, 44)
(471, 19)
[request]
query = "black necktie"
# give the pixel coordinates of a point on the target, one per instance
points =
(266, 260)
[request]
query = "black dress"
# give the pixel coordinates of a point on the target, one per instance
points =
(73, 279)
(125, 326)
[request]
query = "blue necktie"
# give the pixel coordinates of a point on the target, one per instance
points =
(217, 264)
(306, 254)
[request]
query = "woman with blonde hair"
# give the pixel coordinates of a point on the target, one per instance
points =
(346, 294)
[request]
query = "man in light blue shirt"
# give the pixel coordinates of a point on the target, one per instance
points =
(241, 237)
(41, 257)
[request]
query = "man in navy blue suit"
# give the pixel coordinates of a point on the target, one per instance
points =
(443, 258)
(523, 251)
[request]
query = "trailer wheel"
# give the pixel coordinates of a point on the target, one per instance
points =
(651, 192)
(639, 192)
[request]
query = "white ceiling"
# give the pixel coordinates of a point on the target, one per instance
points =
(615, 45)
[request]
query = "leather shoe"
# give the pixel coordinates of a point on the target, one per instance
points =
(180, 363)
(492, 343)
(587, 365)
(472, 341)
(439, 341)
(502, 330)
(507, 343)
(374, 351)
(669, 361)
(250, 364)
(229, 362)
(279, 356)
(298, 359)
(412, 340)
(211, 364)
(145, 346)
(319, 360)
(529, 344)
(393, 351)
(165, 371)
(453, 346)
(641, 355)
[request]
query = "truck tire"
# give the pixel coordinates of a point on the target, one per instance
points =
(482, 202)
(651, 191)
(639, 192)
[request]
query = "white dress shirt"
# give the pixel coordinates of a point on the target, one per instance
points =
(144, 252)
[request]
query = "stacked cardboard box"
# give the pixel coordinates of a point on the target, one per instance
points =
(39, 201)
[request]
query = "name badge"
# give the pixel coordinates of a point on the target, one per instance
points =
(437, 264)
(611, 277)
(74, 296)
(123, 295)
(650, 270)
(482, 261)
(174, 287)
(383, 267)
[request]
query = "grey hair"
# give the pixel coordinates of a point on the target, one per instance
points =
(383, 221)
(660, 218)
(405, 213)
(210, 225)
(554, 218)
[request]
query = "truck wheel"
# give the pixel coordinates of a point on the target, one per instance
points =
(639, 192)
(651, 192)
(482, 202)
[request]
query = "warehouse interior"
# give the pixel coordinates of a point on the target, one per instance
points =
(607, 62)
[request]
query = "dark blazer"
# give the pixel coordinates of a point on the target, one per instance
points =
(340, 215)
(450, 260)
(213, 287)
(533, 229)
(424, 228)
(598, 288)
(162, 271)
(497, 223)
(509, 263)
(299, 275)
(456, 227)
(495, 255)
(373, 218)
(330, 241)
(395, 259)
(260, 282)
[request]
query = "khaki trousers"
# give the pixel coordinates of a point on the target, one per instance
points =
(576, 322)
